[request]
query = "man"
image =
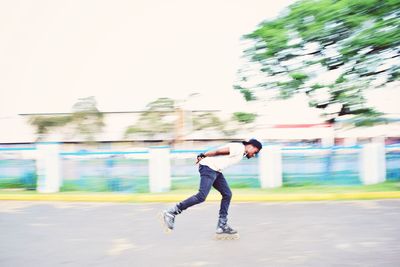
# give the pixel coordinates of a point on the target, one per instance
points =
(211, 165)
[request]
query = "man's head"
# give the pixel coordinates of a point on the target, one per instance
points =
(252, 147)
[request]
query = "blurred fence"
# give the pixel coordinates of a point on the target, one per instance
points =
(127, 171)
(336, 166)
(16, 173)
(18, 168)
(115, 173)
(393, 163)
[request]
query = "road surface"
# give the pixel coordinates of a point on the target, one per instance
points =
(342, 233)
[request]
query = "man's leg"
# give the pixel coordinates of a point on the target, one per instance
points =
(222, 186)
(223, 229)
(207, 178)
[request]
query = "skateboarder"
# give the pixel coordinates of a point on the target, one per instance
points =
(211, 164)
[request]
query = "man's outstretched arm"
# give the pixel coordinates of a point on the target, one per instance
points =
(213, 153)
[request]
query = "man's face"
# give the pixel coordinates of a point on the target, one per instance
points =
(251, 151)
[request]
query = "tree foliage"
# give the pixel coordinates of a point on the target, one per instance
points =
(356, 40)
(162, 116)
(85, 118)
(244, 117)
(159, 117)
(44, 123)
(207, 120)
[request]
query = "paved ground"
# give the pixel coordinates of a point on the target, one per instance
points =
(351, 233)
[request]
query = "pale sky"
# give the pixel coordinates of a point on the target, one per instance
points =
(126, 53)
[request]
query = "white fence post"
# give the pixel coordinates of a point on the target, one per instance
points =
(373, 163)
(48, 167)
(270, 167)
(159, 169)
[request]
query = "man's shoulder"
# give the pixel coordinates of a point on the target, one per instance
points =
(236, 144)
(236, 147)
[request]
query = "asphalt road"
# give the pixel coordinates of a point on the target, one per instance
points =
(351, 233)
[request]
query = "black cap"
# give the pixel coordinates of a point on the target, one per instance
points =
(253, 142)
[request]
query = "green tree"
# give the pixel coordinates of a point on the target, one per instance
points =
(207, 120)
(159, 117)
(358, 41)
(44, 124)
(244, 117)
(162, 116)
(86, 119)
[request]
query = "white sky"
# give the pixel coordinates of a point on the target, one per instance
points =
(125, 53)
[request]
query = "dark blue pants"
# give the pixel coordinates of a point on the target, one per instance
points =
(208, 178)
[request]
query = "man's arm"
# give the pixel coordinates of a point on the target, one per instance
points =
(213, 153)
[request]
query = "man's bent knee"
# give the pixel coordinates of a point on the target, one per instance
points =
(227, 195)
(201, 197)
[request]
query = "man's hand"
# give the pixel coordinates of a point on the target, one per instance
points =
(200, 157)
